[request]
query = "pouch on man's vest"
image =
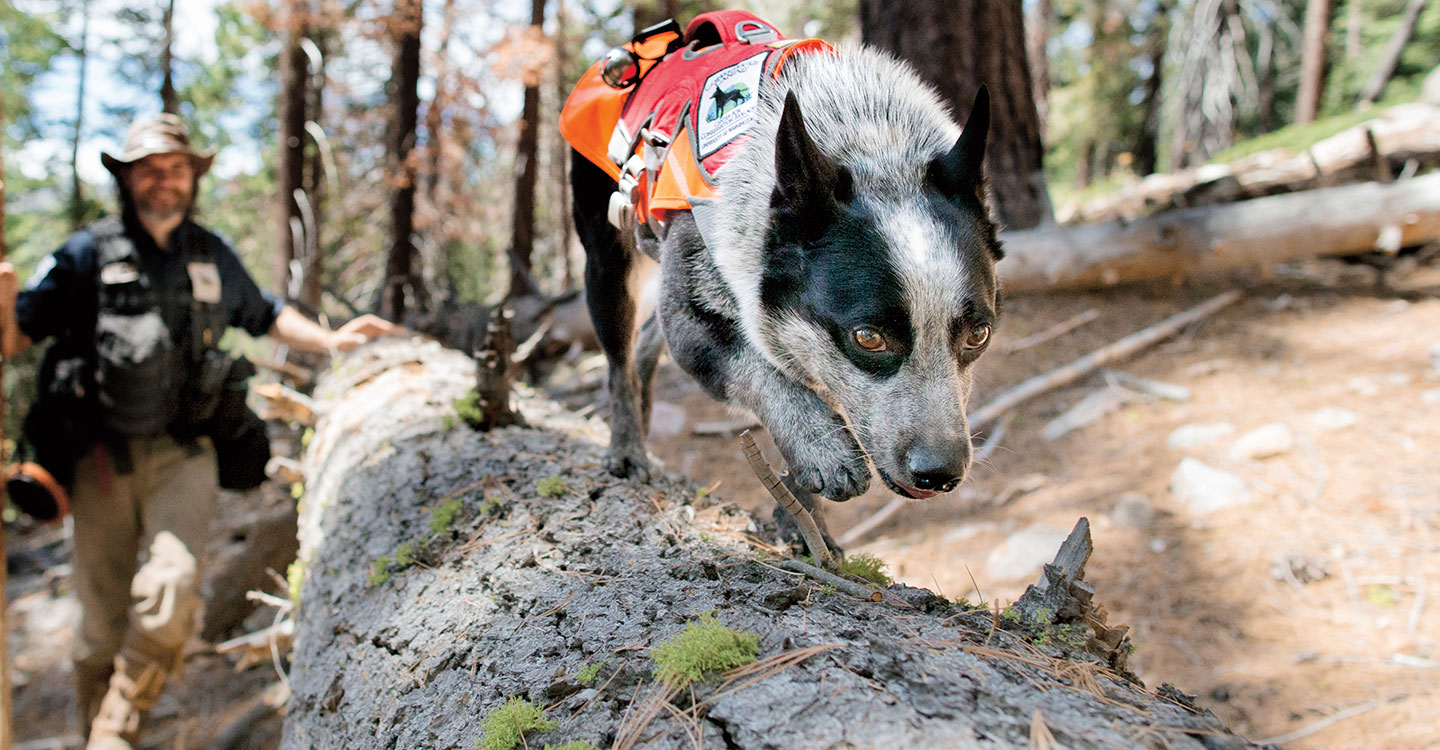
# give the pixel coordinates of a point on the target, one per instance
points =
(663, 139)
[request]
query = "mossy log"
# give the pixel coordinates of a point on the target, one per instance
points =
(447, 571)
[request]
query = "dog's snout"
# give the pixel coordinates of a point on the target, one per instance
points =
(935, 470)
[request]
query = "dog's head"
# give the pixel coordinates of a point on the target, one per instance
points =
(882, 291)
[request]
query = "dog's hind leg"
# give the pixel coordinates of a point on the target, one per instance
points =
(609, 267)
(647, 357)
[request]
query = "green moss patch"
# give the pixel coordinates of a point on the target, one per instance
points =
(506, 726)
(703, 648)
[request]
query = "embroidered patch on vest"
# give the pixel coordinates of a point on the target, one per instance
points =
(728, 103)
(204, 282)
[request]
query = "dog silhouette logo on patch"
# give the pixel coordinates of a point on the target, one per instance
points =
(724, 100)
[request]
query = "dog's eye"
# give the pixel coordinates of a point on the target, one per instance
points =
(870, 339)
(977, 337)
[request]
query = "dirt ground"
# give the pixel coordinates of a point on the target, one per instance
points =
(1310, 608)
(1314, 601)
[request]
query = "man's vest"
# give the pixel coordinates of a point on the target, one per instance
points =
(144, 382)
(663, 138)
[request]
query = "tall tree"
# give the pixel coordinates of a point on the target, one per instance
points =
(404, 25)
(290, 171)
(1386, 67)
(1037, 37)
(168, 101)
(1312, 64)
(82, 51)
(1147, 145)
(315, 176)
(957, 47)
(527, 168)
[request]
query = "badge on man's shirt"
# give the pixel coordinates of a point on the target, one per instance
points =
(204, 282)
(119, 272)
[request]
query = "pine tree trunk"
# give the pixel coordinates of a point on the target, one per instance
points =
(7, 731)
(313, 285)
(168, 102)
(1386, 67)
(290, 167)
(957, 47)
(1312, 63)
(527, 168)
(405, 22)
(1037, 36)
(77, 194)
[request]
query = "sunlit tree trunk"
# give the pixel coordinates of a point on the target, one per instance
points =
(77, 195)
(957, 47)
(404, 23)
(1312, 64)
(290, 170)
(168, 101)
(1376, 84)
(1037, 35)
(561, 153)
(527, 167)
(315, 175)
(1147, 148)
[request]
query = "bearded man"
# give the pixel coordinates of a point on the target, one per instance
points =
(137, 305)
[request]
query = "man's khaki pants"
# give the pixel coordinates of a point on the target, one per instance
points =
(139, 545)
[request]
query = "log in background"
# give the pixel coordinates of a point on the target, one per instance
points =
(522, 590)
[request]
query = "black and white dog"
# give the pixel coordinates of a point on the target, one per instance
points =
(847, 290)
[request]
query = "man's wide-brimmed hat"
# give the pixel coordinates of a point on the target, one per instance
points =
(157, 134)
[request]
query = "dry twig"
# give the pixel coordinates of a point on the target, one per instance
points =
(814, 540)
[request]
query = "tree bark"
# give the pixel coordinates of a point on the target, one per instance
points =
(1175, 244)
(290, 169)
(315, 177)
(77, 195)
(1386, 67)
(405, 23)
(7, 731)
(542, 564)
(168, 102)
(957, 47)
(527, 169)
(1312, 62)
(1147, 149)
(1037, 36)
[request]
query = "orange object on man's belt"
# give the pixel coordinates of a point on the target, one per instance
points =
(663, 138)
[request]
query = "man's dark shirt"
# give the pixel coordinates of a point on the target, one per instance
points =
(62, 298)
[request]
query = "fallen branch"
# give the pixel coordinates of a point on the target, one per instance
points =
(841, 584)
(1051, 333)
(725, 429)
(1099, 358)
(286, 403)
(1330, 721)
(814, 540)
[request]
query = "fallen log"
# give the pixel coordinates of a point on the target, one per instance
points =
(448, 571)
(1175, 244)
(1384, 145)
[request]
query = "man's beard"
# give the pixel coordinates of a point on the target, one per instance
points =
(173, 204)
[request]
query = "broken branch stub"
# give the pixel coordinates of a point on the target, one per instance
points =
(1062, 597)
(495, 373)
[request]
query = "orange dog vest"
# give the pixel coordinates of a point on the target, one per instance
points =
(664, 138)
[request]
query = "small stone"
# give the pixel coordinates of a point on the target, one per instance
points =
(1197, 434)
(1025, 553)
(666, 420)
(1431, 396)
(1158, 545)
(1302, 568)
(1333, 418)
(1133, 510)
(1202, 488)
(1434, 352)
(1273, 439)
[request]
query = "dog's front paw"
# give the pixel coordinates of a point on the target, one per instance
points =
(830, 465)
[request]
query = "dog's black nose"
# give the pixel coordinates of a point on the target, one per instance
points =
(932, 470)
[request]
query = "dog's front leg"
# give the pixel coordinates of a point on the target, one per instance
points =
(820, 452)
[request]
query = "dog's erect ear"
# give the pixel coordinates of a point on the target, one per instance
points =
(804, 177)
(959, 170)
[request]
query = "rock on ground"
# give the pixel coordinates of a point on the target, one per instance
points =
(1202, 488)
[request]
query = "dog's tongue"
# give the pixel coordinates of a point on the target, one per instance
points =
(918, 494)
